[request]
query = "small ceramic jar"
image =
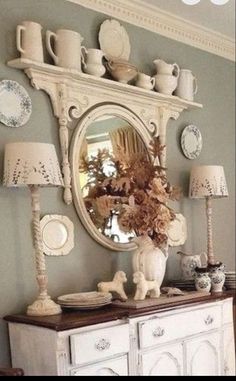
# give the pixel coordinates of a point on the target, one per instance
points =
(202, 279)
(217, 275)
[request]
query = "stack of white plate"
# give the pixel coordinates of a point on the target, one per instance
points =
(230, 280)
(85, 300)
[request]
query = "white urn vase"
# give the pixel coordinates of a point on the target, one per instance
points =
(149, 259)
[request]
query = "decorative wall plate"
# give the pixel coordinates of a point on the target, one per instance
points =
(114, 40)
(177, 232)
(15, 104)
(57, 234)
(191, 141)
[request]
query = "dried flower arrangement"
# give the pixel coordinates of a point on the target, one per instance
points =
(136, 190)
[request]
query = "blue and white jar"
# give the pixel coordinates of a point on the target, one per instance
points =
(202, 279)
(217, 275)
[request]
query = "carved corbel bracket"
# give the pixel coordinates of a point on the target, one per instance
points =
(66, 107)
(164, 114)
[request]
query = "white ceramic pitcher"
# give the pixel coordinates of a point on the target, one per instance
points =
(67, 46)
(163, 67)
(145, 81)
(92, 61)
(189, 262)
(187, 85)
(29, 40)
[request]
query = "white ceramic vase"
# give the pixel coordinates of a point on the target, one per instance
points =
(202, 279)
(149, 259)
(217, 276)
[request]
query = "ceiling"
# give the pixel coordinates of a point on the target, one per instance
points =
(220, 18)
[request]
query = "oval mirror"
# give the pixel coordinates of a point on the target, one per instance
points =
(107, 137)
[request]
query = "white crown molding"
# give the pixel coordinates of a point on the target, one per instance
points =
(164, 23)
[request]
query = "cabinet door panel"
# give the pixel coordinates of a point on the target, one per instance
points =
(165, 361)
(203, 355)
(115, 367)
(229, 351)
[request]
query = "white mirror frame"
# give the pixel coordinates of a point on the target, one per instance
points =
(77, 140)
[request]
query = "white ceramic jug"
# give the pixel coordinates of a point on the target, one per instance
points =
(187, 85)
(189, 262)
(145, 81)
(92, 61)
(29, 40)
(163, 67)
(67, 46)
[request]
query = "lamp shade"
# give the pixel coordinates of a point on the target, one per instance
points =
(27, 163)
(207, 181)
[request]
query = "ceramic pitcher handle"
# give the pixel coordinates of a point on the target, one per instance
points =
(177, 69)
(83, 52)
(153, 81)
(195, 86)
(49, 36)
(19, 30)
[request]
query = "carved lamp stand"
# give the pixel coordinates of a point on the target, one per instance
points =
(34, 165)
(208, 181)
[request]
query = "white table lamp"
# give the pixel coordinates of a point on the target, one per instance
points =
(208, 181)
(34, 165)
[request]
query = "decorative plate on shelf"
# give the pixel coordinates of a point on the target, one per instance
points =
(85, 300)
(57, 234)
(114, 40)
(191, 142)
(15, 104)
(177, 232)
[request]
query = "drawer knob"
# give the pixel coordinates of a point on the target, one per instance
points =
(102, 345)
(209, 320)
(158, 332)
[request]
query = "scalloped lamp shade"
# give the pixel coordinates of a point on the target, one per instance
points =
(207, 181)
(27, 163)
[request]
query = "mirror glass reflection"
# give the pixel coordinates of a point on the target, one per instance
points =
(108, 146)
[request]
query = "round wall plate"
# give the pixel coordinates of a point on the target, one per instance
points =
(114, 40)
(15, 104)
(177, 232)
(57, 234)
(191, 142)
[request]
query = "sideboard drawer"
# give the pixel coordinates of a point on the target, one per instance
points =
(90, 346)
(159, 330)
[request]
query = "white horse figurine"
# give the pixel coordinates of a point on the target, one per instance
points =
(116, 285)
(144, 286)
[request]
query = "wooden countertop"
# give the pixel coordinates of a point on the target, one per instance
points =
(78, 319)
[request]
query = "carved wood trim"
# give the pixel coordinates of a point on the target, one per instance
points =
(164, 23)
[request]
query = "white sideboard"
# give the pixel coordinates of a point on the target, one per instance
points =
(195, 339)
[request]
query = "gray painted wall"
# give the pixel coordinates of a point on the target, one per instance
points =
(89, 262)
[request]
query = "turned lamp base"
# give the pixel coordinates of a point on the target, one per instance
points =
(43, 307)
